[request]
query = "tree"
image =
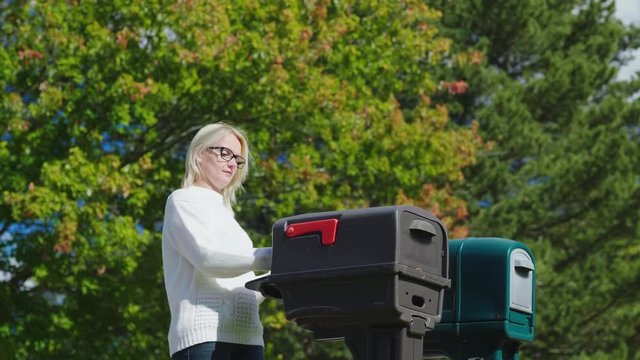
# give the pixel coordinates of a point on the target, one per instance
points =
(563, 174)
(101, 98)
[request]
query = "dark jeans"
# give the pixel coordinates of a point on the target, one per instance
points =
(220, 351)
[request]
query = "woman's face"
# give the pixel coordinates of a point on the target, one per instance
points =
(217, 172)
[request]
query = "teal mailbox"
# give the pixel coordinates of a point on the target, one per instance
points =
(490, 308)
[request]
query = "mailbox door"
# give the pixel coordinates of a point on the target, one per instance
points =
(422, 243)
(521, 281)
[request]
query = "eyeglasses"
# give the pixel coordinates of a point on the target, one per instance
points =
(227, 155)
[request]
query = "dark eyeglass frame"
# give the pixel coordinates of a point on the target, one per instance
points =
(240, 161)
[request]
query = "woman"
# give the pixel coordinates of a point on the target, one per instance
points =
(207, 257)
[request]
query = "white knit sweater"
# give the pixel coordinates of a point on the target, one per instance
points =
(207, 259)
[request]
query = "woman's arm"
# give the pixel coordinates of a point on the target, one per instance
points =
(194, 232)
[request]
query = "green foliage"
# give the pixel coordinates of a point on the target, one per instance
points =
(100, 99)
(563, 172)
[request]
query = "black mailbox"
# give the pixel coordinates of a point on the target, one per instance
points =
(367, 275)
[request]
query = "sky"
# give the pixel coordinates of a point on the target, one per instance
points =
(629, 12)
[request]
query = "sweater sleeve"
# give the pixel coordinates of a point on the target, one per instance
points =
(199, 240)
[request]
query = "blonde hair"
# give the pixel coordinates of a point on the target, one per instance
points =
(210, 135)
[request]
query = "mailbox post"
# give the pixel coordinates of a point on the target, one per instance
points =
(375, 277)
(490, 308)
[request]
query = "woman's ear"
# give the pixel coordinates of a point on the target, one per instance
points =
(199, 158)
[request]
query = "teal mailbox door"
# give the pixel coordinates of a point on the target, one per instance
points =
(490, 307)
